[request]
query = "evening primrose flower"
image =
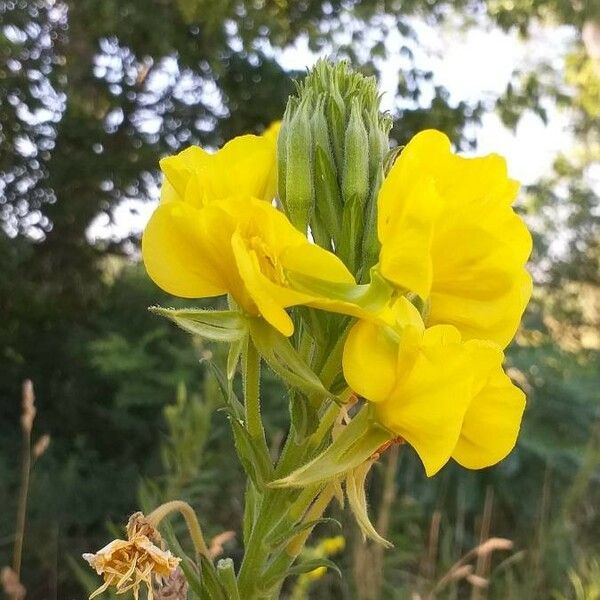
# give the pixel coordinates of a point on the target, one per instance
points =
(449, 234)
(444, 396)
(127, 564)
(244, 166)
(241, 246)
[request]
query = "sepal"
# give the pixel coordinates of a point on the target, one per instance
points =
(357, 442)
(214, 325)
(357, 499)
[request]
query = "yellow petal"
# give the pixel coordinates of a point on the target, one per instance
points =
(245, 166)
(470, 256)
(369, 360)
(259, 287)
(178, 254)
(179, 168)
(491, 423)
(406, 227)
(428, 404)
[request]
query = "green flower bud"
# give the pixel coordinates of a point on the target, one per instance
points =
(282, 139)
(355, 176)
(298, 201)
(335, 142)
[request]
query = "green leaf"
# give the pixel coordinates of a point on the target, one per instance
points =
(232, 404)
(256, 465)
(210, 582)
(356, 443)
(215, 325)
(304, 417)
(285, 360)
(276, 541)
(311, 565)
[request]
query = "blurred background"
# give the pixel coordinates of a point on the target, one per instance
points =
(94, 92)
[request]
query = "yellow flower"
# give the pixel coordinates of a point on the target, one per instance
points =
(239, 246)
(444, 396)
(245, 166)
(127, 564)
(448, 233)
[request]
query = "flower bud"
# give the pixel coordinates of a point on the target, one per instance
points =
(298, 175)
(335, 142)
(355, 178)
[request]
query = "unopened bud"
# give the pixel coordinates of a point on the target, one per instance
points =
(355, 178)
(298, 171)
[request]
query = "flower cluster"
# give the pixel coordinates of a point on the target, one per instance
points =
(420, 247)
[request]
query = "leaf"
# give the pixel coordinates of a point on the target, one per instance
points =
(311, 565)
(356, 443)
(215, 325)
(285, 360)
(303, 416)
(232, 404)
(275, 541)
(210, 581)
(253, 460)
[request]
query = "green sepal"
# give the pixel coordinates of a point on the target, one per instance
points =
(215, 325)
(256, 465)
(357, 499)
(358, 441)
(233, 357)
(285, 360)
(390, 158)
(276, 542)
(371, 297)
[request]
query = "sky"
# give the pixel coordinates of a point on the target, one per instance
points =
(472, 65)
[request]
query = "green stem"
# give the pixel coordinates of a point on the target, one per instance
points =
(254, 424)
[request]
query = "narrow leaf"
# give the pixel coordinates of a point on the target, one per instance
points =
(253, 461)
(282, 539)
(311, 565)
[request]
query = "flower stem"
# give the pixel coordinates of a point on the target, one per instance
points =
(254, 424)
(191, 520)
